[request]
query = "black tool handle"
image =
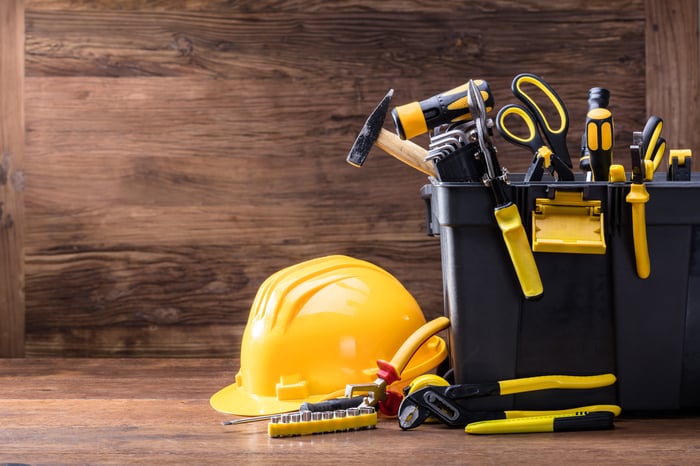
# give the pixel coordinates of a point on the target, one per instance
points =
(599, 420)
(332, 405)
(417, 118)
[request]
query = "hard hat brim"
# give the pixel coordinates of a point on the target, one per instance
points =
(234, 399)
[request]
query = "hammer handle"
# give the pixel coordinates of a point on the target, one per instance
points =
(406, 151)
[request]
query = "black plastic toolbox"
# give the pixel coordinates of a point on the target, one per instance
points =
(595, 316)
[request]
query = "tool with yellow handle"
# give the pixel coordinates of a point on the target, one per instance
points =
(515, 238)
(390, 371)
(506, 212)
(417, 118)
(449, 403)
(653, 145)
(599, 134)
(555, 135)
(646, 151)
(546, 141)
(585, 418)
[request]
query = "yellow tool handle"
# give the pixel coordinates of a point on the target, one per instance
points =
(558, 423)
(650, 165)
(508, 219)
(617, 174)
(512, 426)
(600, 140)
(416, 340)
(408, 152)
(515, 414)
(637, 197)
(546, 382)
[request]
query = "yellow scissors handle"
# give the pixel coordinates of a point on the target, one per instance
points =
(532, 140)
(654, 145)
(556, 136)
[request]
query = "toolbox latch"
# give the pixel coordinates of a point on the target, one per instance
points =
(568, 224)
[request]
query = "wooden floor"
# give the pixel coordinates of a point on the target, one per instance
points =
(156, 411)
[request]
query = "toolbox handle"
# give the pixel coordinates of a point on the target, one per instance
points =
(431, 227)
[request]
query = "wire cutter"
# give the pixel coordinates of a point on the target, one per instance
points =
(389, 372)
(550, 151)
(506, 212)
(448, 404)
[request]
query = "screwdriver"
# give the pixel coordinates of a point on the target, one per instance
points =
(598, 134)
(417, 118)
(329, 405)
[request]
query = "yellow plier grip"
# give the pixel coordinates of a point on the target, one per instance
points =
(638, 197)
(519, 422)
(547, 382)
(511, 225)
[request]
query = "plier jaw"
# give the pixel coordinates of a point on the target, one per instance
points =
(443, 404)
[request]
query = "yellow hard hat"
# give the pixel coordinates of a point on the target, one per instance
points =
(319, 325)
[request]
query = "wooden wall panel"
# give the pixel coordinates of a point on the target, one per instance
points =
(673, 70)
(12, 302)
(179, 152)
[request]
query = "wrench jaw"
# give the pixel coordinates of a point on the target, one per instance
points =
(428, 402)
(375, 392)
(443, 404)
(411, 414)
(377, 396)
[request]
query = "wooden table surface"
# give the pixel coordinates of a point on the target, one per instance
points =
(155, 411)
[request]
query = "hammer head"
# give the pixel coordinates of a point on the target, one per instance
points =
(370, 132)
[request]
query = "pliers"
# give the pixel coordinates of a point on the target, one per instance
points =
(446, 403)
(377, 393)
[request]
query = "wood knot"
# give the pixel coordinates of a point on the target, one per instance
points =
(183, 45)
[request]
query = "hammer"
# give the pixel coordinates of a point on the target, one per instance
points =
(373, 134)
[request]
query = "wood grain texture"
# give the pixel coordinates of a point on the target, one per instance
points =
(180, 152)
(151, 411)
(12, 301)
(673, 72)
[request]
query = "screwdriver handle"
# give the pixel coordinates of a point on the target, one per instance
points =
(600, 135)
(332, 405)
(417, 118)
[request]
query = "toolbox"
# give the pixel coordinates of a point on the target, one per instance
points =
(596, 314)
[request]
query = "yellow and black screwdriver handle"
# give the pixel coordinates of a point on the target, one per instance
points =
(446, 403)
(599, 135)
(416, 118)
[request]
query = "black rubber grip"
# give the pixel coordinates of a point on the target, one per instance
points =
(599, 420)
(332, 405)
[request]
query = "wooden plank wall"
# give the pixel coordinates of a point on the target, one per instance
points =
(11, 179)
(178, 152)
(673, 69)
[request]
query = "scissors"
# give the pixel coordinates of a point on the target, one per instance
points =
(549, 151)
(653, 146)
